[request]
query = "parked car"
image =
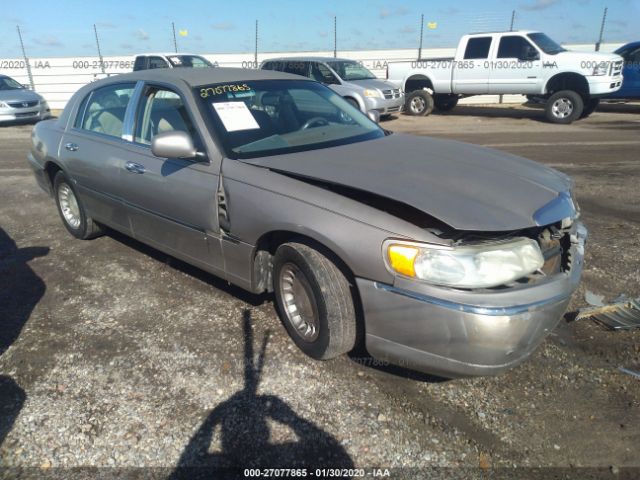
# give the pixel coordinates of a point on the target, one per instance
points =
(631, 72)
(460, 258)
(347, 78)
(521, 62)
(18, 103)
(149, 61)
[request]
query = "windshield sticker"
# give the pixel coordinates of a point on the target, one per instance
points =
(235, 116)
(220, 89)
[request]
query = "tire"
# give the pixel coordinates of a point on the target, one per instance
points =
(306, 280)
(444, 103)
(352, 102)
(590, 107)
(71, 210)
(564, 107)
(418, 103)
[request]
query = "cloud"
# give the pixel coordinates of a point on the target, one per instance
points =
(577, 26)
(386, 12)
(407, 29)
(223, 26)
(539, 4)
(140, 34)
(105, 25)
(450, 11)
(48, 41)
(323, 34)
(356, 32)
(620, 23)
(126, 46)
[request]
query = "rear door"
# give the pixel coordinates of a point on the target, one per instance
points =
(171, 202)
(471, 68)
(93, 151)
(516, 67)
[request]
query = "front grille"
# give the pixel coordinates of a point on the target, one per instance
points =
(31, 103)
(389, 94)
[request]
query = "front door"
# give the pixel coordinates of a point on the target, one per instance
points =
(516, 68)
(171, 201)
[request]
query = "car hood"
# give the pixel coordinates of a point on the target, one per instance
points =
(19, 95)
(465, 186)
(370, 83)
(592, 57)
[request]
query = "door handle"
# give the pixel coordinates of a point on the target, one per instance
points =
(72, 147)
(134, 167)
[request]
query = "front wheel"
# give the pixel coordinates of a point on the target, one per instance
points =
(71, 210)
(564, 107)
(419, 103)
(314, 301)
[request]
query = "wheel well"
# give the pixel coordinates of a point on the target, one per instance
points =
(266, 247)
(417, 82)
(348, 97)
(568, 81)
(51, 169)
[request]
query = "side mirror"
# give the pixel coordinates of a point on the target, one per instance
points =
(374, 115)
(175, 144)
(530, 55)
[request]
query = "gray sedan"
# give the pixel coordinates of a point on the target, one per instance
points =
(19, 103)
(437, 255)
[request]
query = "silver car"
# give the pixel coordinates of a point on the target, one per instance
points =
(348, 78)
(19, 103)
(437, 255)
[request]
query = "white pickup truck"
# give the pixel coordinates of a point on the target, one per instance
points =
(519, 62)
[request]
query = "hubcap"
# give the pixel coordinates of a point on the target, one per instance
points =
(69, 206)
(562, 108)
(297, 299)
(417, 104)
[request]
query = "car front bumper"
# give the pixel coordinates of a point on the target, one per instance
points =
(455, 333)
(38, 112)
(385, 106)
(601, 86)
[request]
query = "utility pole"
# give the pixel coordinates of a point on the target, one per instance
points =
(26, 60)
(175, 42)
(513, 19)
(604, 19)
(255, 53)
(95, 30)
(335, 36)
(421, 36)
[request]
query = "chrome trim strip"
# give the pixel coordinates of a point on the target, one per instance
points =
(475, 309)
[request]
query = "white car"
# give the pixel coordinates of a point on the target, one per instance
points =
(149, 61)
(520, 62)
(18, 103)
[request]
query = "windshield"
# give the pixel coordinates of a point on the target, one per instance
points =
(545, 44)
(350, 70)
(8, 83)
(269, 117)
(193, 61)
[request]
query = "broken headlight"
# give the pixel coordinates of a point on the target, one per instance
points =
(465, 266)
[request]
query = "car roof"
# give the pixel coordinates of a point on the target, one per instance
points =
(309, 59)
(629, 45)
(167, 54)
(195, 77)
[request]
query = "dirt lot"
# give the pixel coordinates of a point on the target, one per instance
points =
(115, 355)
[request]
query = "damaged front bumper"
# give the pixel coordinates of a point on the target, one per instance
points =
(455, 333)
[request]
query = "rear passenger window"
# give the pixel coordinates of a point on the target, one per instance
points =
(157, 62)
(139, 63)
(105, 109)
(477, 47)
(160, 111)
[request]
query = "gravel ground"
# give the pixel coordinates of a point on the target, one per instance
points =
(115, 355)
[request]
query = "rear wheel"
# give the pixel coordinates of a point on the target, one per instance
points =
(71, 211)
(314, 301)
(590, 107)
(444, 103)
(564, 107)
(419, 103)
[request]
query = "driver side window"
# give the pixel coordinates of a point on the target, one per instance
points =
(162, 110)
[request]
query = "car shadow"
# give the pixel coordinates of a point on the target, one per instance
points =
(236, 434)
(513, 111)
(20, 291)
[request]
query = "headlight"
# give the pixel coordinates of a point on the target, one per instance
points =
(4, 105)
(600, 69)
(468, 266)
(372, 93)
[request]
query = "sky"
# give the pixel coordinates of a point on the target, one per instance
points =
(64, 28)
